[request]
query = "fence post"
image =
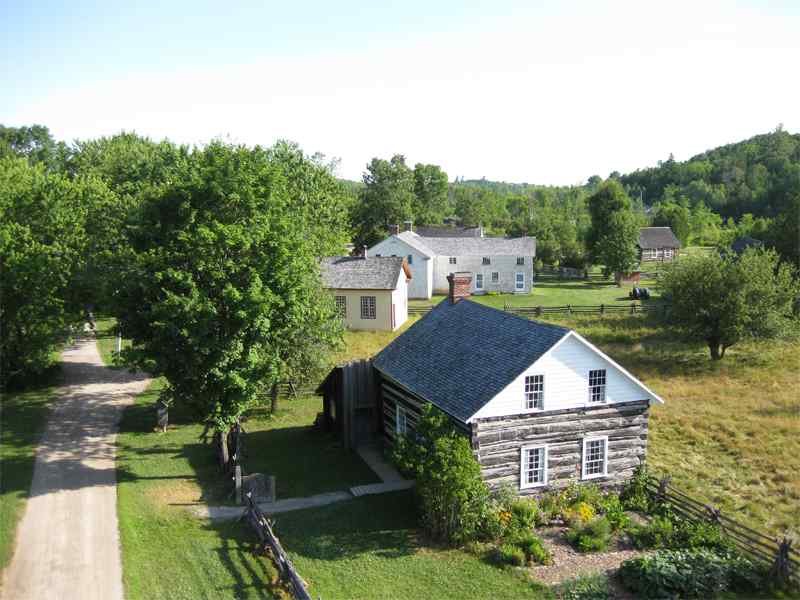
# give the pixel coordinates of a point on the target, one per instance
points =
(538, 311)
(237, 479)
(781, 569)
(633, 308)
(602, 309)
(714, 514)
(569, 309)
(662, 488)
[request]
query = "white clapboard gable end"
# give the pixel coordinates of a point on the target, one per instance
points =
(565, 369)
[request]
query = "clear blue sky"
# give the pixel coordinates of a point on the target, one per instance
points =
(518, 91)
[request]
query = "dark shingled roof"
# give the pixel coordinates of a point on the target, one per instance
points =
(460, 356)
(657, 237)
(358, 273)
(448, 232)
(744, 242)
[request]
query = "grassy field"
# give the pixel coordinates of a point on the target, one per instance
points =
(107, 340)
(22, 422)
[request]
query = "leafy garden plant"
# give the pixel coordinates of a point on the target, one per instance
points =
(593, 536)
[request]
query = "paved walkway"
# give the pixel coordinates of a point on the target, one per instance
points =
(68, 541)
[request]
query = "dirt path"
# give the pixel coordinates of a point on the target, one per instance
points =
(68, 542)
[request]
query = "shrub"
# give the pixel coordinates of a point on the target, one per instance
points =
(634, 495)
(593, 536)
(534, 549)
(658, 533)
(611, 507)
(687, 574)
(670, 531)
(576, 493)
(510, 554)
(578, 514)
(587, 587)
(549, 508)
(523, 514)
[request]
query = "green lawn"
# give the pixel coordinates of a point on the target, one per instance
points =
(107, 340)
(371, 548)
(22, 422)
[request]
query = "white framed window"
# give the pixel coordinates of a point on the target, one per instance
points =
(452, 260)
(410, 258)
(341, 306)
(401, 420)
(487, 260)
(495, 277)
(668, 253)
(534, 392)
(519, 281)
(520, 260)
(367, 307)
(595, 457)
(597, 386)
(478, 281)
(533, 466)
(649, 254)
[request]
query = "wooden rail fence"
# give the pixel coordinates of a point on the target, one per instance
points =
(778, 554)
(570, 309)
(269, 541)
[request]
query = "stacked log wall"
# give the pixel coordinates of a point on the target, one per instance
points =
(497, 443)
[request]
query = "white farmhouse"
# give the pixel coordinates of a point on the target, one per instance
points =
(496, 264)
(370, 293)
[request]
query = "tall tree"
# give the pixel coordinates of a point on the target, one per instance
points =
(721, 300)
(387, 198)
(34, 143)
(223, 293)
(430, 192)
(612, 236)
(675, 216)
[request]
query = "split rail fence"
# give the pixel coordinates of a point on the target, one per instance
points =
(569, 309)
(778, 554)
(269, 541)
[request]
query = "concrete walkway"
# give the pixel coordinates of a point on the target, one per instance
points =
(68, 541)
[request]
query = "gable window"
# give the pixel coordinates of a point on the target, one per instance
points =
(595, 457)
(401, 421)
(411, 259)
(452, 260)
(534, 392)
(597, 385)
(520, 260)
(519, 281)
(367, 307)
(478, 281)
(495, 277)
(486, 260)
(533, 466)
(341, 306)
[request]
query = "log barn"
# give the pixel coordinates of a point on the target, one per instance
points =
(540, 404)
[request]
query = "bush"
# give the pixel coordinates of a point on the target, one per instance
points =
(534, 549)
(658, 533)
(578, 514)
(523, 514)
(510, 554)
(671, 532)
(611, 507)
(688, 574)
(593, 536)
(549, 508)
(587, 587)
(634, 495)
(576, 493)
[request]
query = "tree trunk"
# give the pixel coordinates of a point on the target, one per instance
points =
(274, 398)
(714, 348)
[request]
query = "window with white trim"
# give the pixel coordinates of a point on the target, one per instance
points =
(519, 281)
(595, 457)
(401, 421)
(487, 260)
(495, 277)
(520, 260)
(452, 260)
(341, 306)
(534, 392)
(478, 281)
(367, 307)
(533, 466)
(410, 259)
(597, 386)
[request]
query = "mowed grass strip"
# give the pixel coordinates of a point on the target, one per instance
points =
(371, 547)
(107, 340)
(23, 418)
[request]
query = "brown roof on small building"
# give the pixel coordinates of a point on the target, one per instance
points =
(657, 237)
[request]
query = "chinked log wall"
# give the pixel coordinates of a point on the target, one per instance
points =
(497, 442)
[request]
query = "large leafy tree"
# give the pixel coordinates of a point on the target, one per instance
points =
(34, 143)
(721, 300)
(44, 253)
(222, 295)
(612, 236)
(675, 216)
(386, 199)
(430, 194)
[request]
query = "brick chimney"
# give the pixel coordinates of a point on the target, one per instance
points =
(408, 225)
(394, 229)
(460, 284)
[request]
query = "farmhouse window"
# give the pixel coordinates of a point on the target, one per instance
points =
(495, 277)
(367, 307)
(341, 306)
(452, 260)
(478, 281)
(411, 259)
(401, 421)
(520, 260)
(486, 260)
(595, 457)
(533, 466)
(519, 281)
(534, 392)
(597, 385)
